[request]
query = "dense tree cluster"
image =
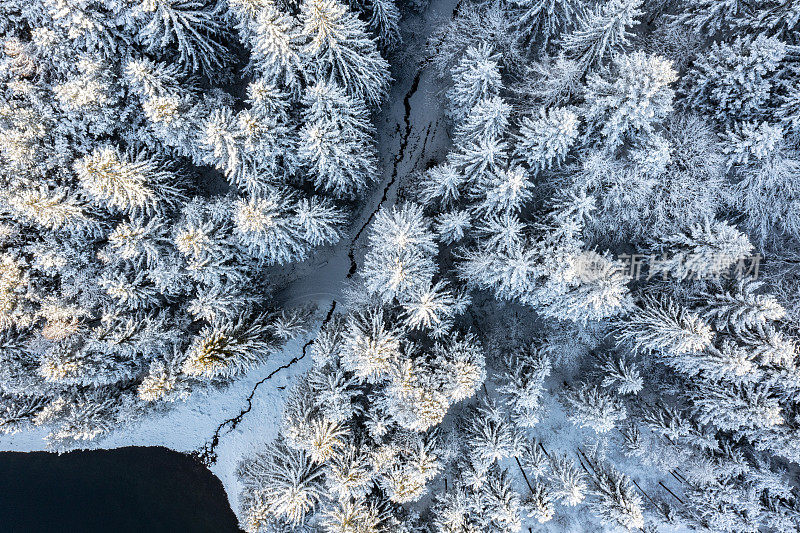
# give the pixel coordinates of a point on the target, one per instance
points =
(619, 200)
(157, 158)
(586, 310)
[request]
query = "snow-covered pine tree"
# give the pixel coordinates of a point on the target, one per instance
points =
(455, 510)
(663, 326)
(741, 309)
(617, 502)
(539, 503)
(336, 141)
(366, 414)
(704, 251)
(661, 184)
(735, 80)
(384, 19)
(709, 16)
(766, 193)
(400, 258)
(751, 142)
(601, 30)
(542, 20)
(339, 50)
(593, 407)
(522, 385)
(778, 16)
(229, 348)
(734, 407)
(370, 345)
(618, 373)
(194, 28)
(545, 141)
(631, 98)
(730, 366)
(488, 118)
(502, 503)
(568, 481)
(594, 288)
(490, 434)
(125, 183)
(473, 26)
(475, 77)
(277, 46)
(281, 483)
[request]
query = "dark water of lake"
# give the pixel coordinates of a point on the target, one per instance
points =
(137, 490)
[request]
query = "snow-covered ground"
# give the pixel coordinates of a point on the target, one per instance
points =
(246, 414)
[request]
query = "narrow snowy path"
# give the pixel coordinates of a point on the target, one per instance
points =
(220, 426)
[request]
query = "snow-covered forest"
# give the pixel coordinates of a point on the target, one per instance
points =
(543, 256)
